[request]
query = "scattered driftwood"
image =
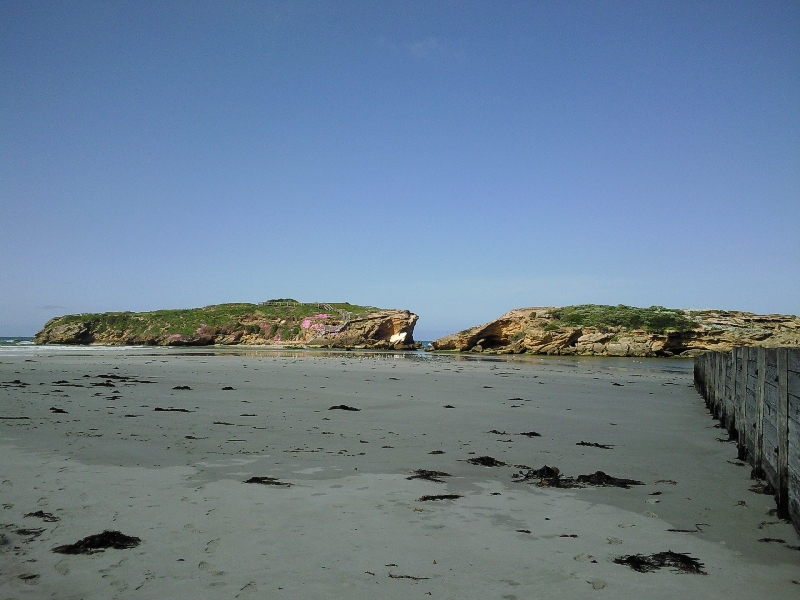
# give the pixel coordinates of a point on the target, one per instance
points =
(615, 383)
(40, 514)
(775, 540)
(268, 481)
(496, 432)
(677, 561)
(601, 479)
(485, 461)
(181, 387)
(99, 542)
(59, 411)
(344, 407)
(595, 445)
(523, 530)
(436, 452)
(407, 577)
(15, 418)
(531, 434)
(183, 410)
(428, 498)
(429, 475)
(227, 388)
(449, 406)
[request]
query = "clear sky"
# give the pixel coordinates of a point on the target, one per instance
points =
(458, 159)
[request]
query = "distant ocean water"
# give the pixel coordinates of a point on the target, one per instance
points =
(16, 341)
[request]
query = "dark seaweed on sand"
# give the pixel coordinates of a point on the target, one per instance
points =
(486, 461)
(183, 410)
(181, 387)
(595, 445)
(40, 514)
(551, 477)
(29, 531)
(762, 487)
(531, 434)
(99, 542)
(601, 479)
(428, 498)
(344, 407)
(682, 563)
(429, 475)
(268, 481)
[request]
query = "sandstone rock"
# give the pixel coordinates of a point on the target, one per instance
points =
(536, 331)
(382, 329)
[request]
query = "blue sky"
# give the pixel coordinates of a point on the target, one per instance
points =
(458, 159)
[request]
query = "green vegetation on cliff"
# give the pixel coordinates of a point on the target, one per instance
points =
(282, 319)
(655, 319)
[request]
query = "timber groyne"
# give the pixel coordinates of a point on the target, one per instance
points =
(755, 393)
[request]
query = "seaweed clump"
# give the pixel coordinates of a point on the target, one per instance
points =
(99, 542)
(677, 561)
(429, 475)
(486, 461)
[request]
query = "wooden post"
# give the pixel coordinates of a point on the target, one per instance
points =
(721, 385)
(735, 423)
(741, 388)
(783, 433)
(761, 369)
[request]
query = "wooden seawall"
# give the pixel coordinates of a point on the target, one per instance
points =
(755, 393)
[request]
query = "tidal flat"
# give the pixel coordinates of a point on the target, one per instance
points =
(251, 473)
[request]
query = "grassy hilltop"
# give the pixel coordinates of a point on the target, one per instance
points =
(604, 330)
(276, 320)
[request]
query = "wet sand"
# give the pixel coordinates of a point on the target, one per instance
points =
(350, 524)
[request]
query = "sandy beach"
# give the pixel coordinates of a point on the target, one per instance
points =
(158, 445)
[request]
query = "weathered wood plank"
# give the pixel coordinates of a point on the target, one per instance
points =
(794, 407)
(794, 360)
(758, 459)
(783, 433)
(793, 383)
(769, 461)
(771, 373)
(770, 400)
(741, 400)
(794, 444)
(794, 498)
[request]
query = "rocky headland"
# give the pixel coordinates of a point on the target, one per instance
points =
(599, 330)
(282, 322)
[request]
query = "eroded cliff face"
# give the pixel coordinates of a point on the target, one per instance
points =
(379, 329)
(383, 330)
(537, 331)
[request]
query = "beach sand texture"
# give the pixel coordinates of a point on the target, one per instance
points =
(94, 440)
